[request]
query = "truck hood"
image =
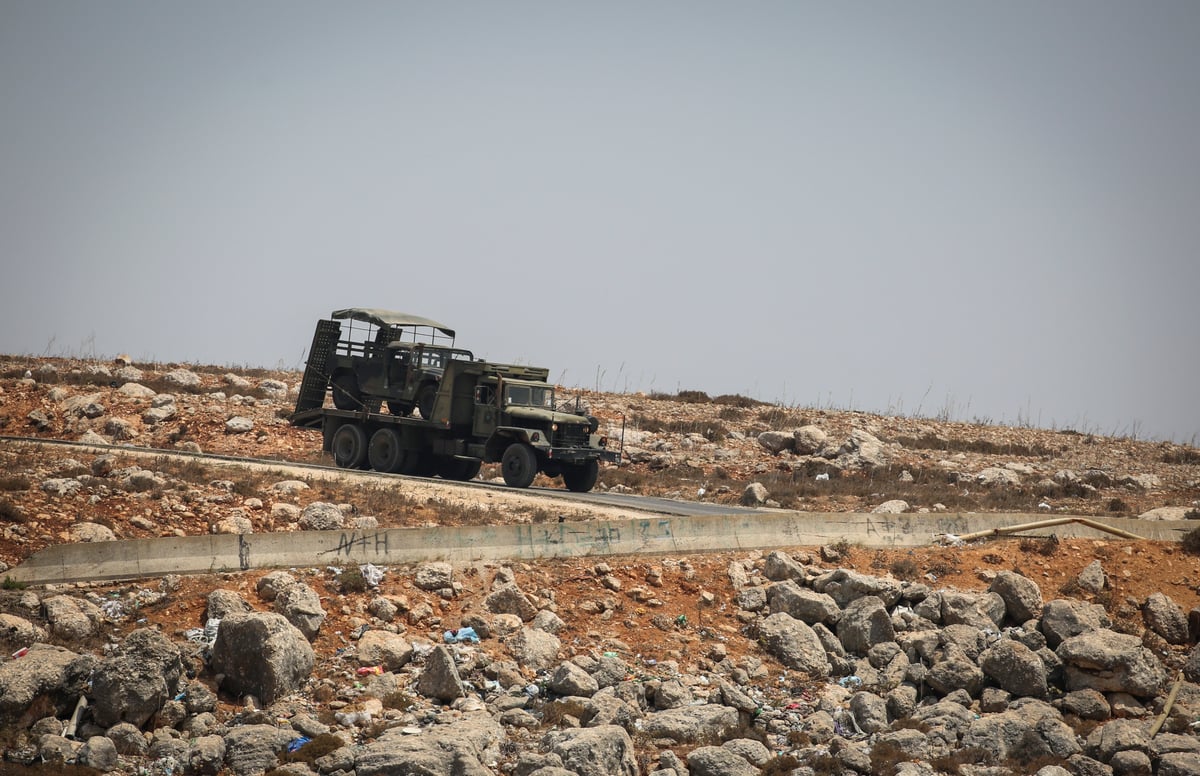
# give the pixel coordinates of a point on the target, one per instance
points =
(545, 416)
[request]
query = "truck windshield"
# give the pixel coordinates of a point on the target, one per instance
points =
(529, 396)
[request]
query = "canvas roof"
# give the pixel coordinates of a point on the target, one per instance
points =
(389, 318)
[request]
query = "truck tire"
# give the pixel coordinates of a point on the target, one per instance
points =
(385, 452)
(461, 469)
(468, 470)
(581, 477)
(425, 397)
(346, 395)
(519, 465)
(349, 446)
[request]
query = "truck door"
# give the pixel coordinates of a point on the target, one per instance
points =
(486, 412)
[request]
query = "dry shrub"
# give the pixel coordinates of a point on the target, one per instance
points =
(352, 581)
(1042, 545)
(11, 513)
(905, 569)
(1191, 542)
(11, 482)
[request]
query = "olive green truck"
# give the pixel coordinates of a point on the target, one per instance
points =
(470, 411)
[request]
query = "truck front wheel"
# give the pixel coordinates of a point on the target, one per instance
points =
(581, 477)
(519, 465)
(349, 446)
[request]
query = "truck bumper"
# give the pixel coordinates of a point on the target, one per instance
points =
(581, 454)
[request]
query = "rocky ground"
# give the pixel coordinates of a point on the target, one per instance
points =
(1001, 657)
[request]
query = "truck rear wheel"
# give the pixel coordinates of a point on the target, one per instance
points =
(385, 452)
(581, 477)
(346, 395)
(349, 446)
(519, 465)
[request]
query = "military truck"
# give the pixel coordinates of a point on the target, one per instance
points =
(370, 357)
(479, 412)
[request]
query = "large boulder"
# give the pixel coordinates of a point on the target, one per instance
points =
(803, 604)
(1166, 618)
(719, 761)
(460, 749)
(865, 623)
(134, 684)
(253, 749)
(534, 649)
(1108, 661)
(17, 632)
(509, 599)
(808, 440)
(439, 679)
(301, 605)
(955, 671)
(776, 441)
(261, 654)
(845, 585)
(321, 516)
(48, 679)
(384, 648)
(570, 679)
(221, 603)
(1063, 618)
(794, 643)
(72, 619)
(435, 575)
(1015, 668)
(692, 724)
(606, 750)
(1022, 596)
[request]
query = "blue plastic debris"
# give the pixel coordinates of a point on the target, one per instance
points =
(461, 635)
(296, 743)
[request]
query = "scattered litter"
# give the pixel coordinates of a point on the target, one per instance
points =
(372, 574)
(532, 690)
(610, 654)
(952, 540)
(822, 477)
(681, 621)
(1044, 505)
(370, 671)
(850, 682)
(411, 731)
(467, 635)
(206, 636)
(113, 610)
(296, 743)
(22, 652)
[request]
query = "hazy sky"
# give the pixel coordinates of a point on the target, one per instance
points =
(985, 209)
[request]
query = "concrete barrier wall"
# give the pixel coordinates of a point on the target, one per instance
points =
(709, 533)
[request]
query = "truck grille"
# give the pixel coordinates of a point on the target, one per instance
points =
(572, 435)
